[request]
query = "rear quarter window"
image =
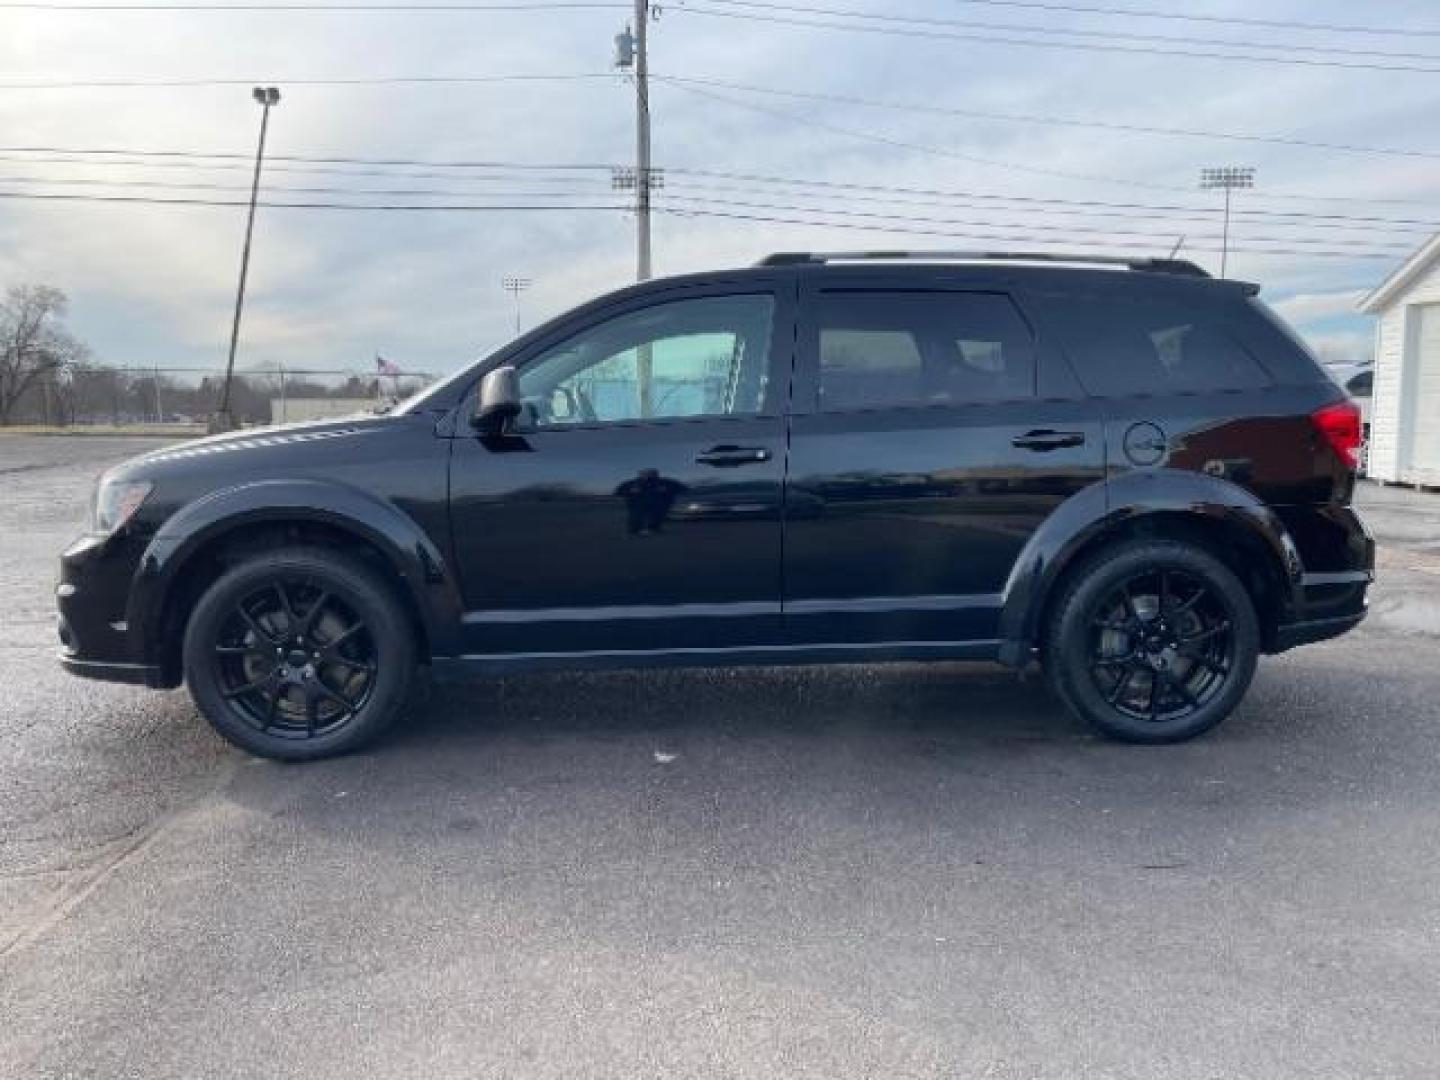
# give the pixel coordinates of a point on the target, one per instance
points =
(1122, 346)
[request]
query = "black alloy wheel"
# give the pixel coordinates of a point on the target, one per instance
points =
(1161, 646)
(294, 660)
(1152, 641)
(300, 653)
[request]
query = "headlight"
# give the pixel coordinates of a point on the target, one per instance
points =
(116, 503)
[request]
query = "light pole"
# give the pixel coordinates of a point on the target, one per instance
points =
(265, 97)
(515, 285)
(1227, 179)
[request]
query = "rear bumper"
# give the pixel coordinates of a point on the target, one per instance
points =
(1313, 630)
(114, 671)
(1325, 605)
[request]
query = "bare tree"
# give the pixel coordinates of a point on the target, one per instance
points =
(34, 344)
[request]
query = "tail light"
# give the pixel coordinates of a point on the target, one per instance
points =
(1339, 425)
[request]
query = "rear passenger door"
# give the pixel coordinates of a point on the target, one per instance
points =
(931, 434)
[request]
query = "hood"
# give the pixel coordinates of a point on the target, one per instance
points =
(263, 438)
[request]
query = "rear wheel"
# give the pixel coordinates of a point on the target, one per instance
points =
(299, 654)
(1153, 641)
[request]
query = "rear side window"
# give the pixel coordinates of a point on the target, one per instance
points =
(1122, 347)
(886, 349)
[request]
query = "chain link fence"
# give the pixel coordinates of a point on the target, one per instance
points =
(183, 400)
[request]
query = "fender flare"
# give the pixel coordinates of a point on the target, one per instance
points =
(419, 566)
(1121, 500)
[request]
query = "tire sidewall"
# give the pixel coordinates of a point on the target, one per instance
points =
(357, 586)
(1068, 646)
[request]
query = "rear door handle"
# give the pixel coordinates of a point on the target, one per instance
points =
(727, 456)
(1044, 439)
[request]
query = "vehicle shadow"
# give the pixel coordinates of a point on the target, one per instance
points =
(966, 747)
(949, 701)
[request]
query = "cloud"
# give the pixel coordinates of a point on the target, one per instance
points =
(1307, 307)
(1341, 346)
(156, 284)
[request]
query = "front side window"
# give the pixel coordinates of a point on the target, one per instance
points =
(895, 349)
(686, 358)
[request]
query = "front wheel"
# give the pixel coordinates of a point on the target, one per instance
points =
(1152, 641)
(299, 653)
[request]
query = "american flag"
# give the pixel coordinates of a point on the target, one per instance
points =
(385, 367)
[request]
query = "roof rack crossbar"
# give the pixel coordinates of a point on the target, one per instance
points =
(1142, 264)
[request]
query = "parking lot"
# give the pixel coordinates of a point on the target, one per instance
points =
(850, 871)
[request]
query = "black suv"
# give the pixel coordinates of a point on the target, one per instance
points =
(1124, 468)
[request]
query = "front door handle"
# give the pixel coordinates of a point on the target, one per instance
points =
(1043, 439)
(727, 456)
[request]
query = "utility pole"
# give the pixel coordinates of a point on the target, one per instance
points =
(515, 285)
(1227, 179)
(632, 53)
(266, 97)
(642, 143)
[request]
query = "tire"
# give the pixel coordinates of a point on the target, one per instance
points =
(300, 653)
(1152, 641)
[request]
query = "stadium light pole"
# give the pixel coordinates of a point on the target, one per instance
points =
(266, 97)
(515, 285)
(1227, 179)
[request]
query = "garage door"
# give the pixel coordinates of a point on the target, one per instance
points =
(1425, 402)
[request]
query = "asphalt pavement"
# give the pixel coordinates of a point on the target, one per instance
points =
(888, 871)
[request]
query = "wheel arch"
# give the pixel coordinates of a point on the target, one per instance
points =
(196, 545)
(1212, 513)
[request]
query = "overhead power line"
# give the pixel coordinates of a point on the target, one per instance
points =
(494, 174)
(711, 195)
(1107, 35)
(936, 33)
(1024, 118)
(1178, 216)
(898, 226)
(725, 84)
(773, 219)
(227, 155)
(163, 185)
(1029, 200)
(145, 200)
(534, 5)
(1175, 218)
(1229, 20)
(1068, 230)
(924, 148)
(533, 172)
(540, 5)
(284, 80)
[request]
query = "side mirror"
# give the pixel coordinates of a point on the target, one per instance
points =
(499, 402)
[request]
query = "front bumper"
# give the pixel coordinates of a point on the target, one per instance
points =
(91, 597)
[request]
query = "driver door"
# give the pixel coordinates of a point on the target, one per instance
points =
(636, 505)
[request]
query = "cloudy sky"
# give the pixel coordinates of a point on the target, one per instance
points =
(1016, 126)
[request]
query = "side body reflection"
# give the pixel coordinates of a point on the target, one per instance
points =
(648, 499)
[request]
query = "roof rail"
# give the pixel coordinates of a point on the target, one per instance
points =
(1142, 264)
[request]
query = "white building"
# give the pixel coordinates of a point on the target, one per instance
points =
(1405, 409)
